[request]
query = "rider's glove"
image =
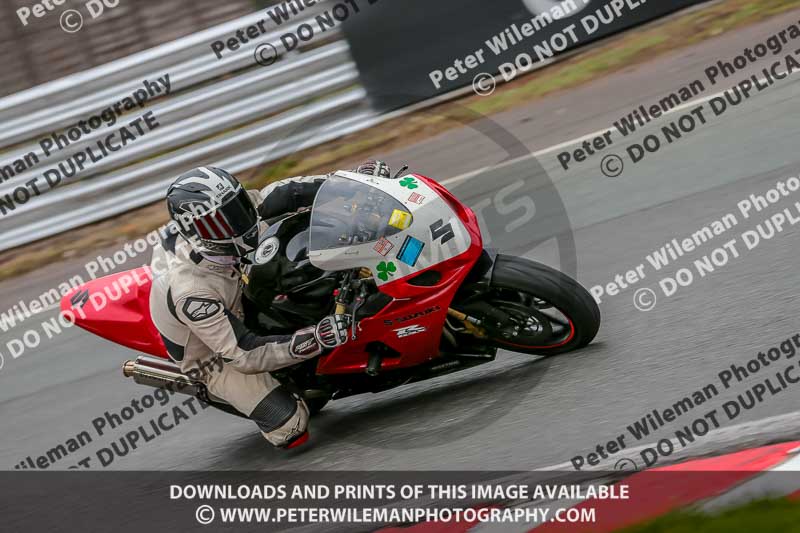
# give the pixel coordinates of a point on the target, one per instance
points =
(374, 167)
(311, 341)
(332, 331)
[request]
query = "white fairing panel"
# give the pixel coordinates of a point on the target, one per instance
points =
(417, 231)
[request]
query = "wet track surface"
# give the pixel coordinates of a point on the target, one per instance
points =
(516, 413)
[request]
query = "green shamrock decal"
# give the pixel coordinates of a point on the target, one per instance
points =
(409, 183)
(386, 269)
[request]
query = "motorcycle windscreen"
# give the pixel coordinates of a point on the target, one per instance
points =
(349, 220)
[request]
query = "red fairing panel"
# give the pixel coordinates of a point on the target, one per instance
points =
(117, 308)
(414, 307)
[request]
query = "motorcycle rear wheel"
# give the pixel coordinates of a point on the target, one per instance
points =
(548, 312)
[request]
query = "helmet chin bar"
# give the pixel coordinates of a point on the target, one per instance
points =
(246, 244)
(237, 247)
(223, 260)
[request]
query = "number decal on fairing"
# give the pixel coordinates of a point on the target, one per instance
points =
(440, 230)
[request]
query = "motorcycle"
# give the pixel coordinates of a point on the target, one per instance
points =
(405, 259)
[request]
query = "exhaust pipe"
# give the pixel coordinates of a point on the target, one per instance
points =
(162, 374)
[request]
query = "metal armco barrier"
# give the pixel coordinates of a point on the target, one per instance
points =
(234, 112)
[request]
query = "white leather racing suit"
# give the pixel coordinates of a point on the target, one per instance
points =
(196, 305)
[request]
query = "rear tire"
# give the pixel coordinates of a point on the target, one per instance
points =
(559, 290)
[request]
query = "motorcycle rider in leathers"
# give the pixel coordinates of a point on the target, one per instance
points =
(196, 297)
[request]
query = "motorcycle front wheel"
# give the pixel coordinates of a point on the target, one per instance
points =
(538, 310)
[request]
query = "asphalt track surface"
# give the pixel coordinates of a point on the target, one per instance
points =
(516, 413)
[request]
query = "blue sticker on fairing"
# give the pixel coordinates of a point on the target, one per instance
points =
(410, 251)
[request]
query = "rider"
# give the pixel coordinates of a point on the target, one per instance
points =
(196, 302)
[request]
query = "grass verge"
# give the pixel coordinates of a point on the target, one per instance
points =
(765, 516)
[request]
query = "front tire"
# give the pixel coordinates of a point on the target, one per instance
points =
(533, 294)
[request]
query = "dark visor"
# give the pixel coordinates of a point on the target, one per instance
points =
(233, 219)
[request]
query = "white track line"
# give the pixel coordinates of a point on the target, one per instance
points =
(588, 136)
(715, 439)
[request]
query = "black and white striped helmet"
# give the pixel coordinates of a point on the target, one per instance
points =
(214, 212)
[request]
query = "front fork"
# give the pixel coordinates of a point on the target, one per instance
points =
(472, 325)
(480, 279)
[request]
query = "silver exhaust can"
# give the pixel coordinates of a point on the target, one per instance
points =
(161, 374)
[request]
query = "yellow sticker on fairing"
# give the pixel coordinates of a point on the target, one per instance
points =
(400, 219)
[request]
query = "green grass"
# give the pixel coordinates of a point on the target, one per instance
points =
(764, 516)
(634, 47)
(569, 76)
(615, 54)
